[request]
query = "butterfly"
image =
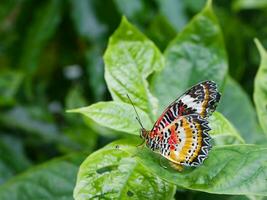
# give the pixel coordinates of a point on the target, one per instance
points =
(181, 132)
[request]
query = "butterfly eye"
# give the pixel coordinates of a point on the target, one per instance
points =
(143, 133)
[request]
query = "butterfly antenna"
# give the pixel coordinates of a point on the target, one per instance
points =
(137, 116)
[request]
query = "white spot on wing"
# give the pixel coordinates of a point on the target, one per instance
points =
(189, 101)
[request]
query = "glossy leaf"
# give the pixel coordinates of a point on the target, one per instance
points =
(222, 131)
(52, 180)
(129, 59)
(115, 115)
(231, 169)
(114, 174)
(241, 115)
(196, 54)
(260, 88)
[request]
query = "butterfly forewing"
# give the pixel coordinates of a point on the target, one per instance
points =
(200, 99)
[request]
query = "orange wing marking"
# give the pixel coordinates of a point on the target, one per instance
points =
(204, 106)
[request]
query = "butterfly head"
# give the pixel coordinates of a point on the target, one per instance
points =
(143, 133)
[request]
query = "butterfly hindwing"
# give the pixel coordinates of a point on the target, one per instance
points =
(200, 99)
(186, 141)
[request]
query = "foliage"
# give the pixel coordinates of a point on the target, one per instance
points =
(51, 61)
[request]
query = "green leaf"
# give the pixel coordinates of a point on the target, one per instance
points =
(118, 116)
(174, 11)
(33, 120)
(75, 98)
(231, 169)
(129, 59)
(260, 88)
(113, 174)
(222, 131)
(85, 20)
(80, 137)
(196, 54)
(75, 128)
(242, 115)
(44, 25)
(9, 85)
(131, 9)
(95, 70)
(12, 157)
(52, 180)
(161, 31)
(195, 6)
(249, 4)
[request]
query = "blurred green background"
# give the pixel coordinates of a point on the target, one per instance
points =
(51, 60)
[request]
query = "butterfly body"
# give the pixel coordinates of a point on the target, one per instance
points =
(181, 133)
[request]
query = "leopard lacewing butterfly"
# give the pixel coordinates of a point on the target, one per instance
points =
(181, 132)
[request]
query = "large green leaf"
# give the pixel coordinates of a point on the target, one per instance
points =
(113, 174)
(118, 116)
(222, 131)
(242, 115)
(260, 88)
(231, 169)
(52, 180)
(196, 54)
(129, 59)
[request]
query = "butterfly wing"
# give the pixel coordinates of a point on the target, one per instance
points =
(186, 140)
(200, 99)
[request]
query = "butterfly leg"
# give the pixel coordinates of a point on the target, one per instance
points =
(161, 164)
(142, 144)
(177, 166)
